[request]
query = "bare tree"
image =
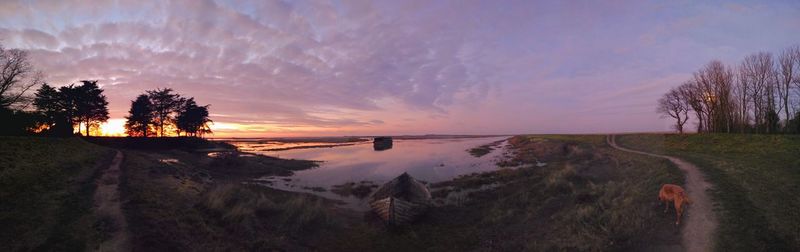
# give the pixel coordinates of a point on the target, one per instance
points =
(742, 92)
(674, 105)
(757, 71)
(17, 76)
(714, 90)
(691, 94)
(750, 98)
(788, 64)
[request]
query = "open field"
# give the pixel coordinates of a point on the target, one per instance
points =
(588, 197)
(46, 189)
(756, 184)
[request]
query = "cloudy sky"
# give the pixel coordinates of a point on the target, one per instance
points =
(305, 68)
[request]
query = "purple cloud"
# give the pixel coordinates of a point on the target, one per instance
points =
(397, 67)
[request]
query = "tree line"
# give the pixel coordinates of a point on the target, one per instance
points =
(160, 111)
(759, 95)
(60, 111)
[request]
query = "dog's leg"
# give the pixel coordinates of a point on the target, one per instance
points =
(666, 206)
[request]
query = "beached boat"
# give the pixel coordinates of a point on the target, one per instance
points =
(382, 143)
(401, 200)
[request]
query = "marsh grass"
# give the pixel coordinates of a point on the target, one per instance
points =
(755, 181)
(46, 190)
(482, 150)
(170, 206)
(360, 190)
(252, 207)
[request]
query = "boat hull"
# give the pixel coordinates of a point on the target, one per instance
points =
(401, 200)
(396, 211)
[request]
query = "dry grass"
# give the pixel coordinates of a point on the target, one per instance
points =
(171, 207)
(250, 207)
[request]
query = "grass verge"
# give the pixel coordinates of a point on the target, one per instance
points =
(755, 181)
(46, 190)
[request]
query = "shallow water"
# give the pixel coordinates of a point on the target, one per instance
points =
(428, 160)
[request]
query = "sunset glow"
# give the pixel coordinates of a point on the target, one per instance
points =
(114, 127)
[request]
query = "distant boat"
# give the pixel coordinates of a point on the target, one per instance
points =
(401, 200)
(382, 143)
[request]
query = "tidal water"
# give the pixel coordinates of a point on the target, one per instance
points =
(428, 160)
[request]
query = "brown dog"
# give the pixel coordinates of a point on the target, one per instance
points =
(677, 195)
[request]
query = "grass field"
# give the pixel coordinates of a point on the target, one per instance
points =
(46, 189)
(757, 184)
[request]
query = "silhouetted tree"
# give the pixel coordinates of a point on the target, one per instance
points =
(17, 76)
(165, 105)
(68, 102)
(71, 105)
(91, 104)
(140, 117)
(672, 104)
(47, 103)
(19, 122)
(192, 119)
(50, 106)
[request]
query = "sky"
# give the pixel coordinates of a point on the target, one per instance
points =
(331, 68)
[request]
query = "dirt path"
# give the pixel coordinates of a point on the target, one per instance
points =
(700, 222)
(108, 209)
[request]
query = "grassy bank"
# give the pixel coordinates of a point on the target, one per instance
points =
(160, 143)
(46, 189)
(756, 182)
(183, 201)
(588, 197)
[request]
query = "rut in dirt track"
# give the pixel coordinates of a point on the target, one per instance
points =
(697, 232)
(108, 208)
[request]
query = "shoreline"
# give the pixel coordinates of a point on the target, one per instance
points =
(333, 142)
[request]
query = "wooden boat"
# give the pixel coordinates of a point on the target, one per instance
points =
(401, 200)
(382, 143)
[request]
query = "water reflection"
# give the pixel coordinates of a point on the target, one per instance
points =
(428, 160)
(277, 145)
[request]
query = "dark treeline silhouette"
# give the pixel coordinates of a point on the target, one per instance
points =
(760, 95)
(69, 106)
(60, 111)
(160, 111)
